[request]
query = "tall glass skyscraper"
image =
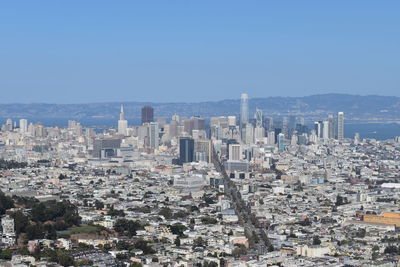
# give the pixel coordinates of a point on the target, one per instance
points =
(340, 125)
(244, 109)
(259, 118)
(147, 114)
(186, 150)
(332, 126)
(281, 142)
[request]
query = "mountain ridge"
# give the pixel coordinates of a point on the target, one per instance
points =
(355, 106)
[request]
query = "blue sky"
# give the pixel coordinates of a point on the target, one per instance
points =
(95, 51)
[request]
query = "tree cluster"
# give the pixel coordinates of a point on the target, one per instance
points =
(64, 213)
(44, 219)
(127, 227)
(6, 203)
(139, 244)
(11, 164)
(341, 200)
(392, 250)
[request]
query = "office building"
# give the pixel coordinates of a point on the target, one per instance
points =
(8, 236)
(244, 109)
(249, 134)
(281, 142)
(105, 148)
(23, 125)
(194, 123)
(235, 152)
(271, 138)
(173, 129)
(291, 124)
(122, 123)
(332, 126)
(258, 116)
(221, 121)
(203, 150)
(8, 126)
(277, 131)
(186, 150)
(231, 120)
(325, 130)
(147, 114)
(153, 135)
(318, 127)
(356, 138)
(268, 123)
(340, 124)
(259, 134)
(285, 126)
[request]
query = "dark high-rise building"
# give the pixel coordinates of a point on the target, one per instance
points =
(186, 150)
(300, 128)
(147, 114)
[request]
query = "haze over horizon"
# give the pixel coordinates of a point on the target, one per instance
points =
(188, 102)
(98, 51)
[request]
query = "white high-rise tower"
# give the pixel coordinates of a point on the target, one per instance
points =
(244, 109)
(325, 130)
(23, 125)
(122, 123)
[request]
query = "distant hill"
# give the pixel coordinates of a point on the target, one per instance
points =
(371, 107)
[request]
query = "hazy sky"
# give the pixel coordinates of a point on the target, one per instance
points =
(95, 51)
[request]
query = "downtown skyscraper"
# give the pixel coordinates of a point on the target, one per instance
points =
(244, 109)
(340, 124)
(122, 123)
(147, 114)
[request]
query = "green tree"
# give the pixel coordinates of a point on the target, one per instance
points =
(6, 254)
(210, 264)
(238, 251)
(53, 211)
(178, 229)
(180, 214)
(144, 246)
(392, 250)
(208, 220)
(127, 227)
(98, 204)
(35, 231)
(316, 240)
(64, 259)
(114, 212)
(21, 221)
(166, 212)
(198, 242)
(6, 203)
(50, 232)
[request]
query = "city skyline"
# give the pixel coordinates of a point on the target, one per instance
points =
(245, 184)
(199, 134)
